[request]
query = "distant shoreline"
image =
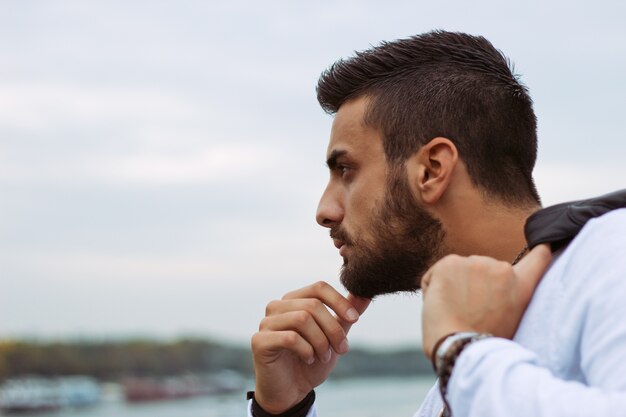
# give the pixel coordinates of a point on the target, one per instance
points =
(116, 359)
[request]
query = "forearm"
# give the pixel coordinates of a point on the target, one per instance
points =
(498, 377)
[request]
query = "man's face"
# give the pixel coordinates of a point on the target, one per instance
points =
(386, 239)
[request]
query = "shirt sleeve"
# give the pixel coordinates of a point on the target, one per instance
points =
(432, 404)
(499, 377)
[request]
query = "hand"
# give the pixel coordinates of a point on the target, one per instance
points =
(478, 294)
(298, 343)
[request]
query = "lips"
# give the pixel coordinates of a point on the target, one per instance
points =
(338, 243)
(340, 240)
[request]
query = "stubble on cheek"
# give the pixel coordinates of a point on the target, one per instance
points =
(406, 241)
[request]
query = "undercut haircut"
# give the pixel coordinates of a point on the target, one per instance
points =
(445, 84)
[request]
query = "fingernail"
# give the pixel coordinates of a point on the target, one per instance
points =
(343, 346)
(327, 356)
(352, 314)
(310, 360)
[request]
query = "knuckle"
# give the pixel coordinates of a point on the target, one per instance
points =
(477, 266)
(290, 339)
(321, 345)
(271, 307)
(264, 323)
(336, 333)
(450, 261)
(301, 318)
(446, 260)
(313, 304)
(503, 268)
(256, 341)
(454, 258)
(320, 286)
(288, 295)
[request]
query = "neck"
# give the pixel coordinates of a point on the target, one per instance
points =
(491, 229)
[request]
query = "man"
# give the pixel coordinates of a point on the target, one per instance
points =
(431, 153)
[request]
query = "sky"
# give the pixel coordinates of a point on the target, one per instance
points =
(161, 161)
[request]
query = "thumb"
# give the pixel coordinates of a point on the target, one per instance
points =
(360, 304)
(531, 268)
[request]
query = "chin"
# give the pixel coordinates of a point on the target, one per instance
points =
(376, 288)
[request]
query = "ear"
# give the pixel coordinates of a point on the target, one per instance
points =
(430, 169)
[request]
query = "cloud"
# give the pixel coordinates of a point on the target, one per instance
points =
(560, 182)
(41, 107)
(73, 134)
(220, 164)
(181, 153)
(224, 164)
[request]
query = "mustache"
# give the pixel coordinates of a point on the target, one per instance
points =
(337, 233)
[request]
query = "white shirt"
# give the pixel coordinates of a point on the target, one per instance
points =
(568, 357)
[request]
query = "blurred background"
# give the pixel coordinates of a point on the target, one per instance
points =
(161, 163)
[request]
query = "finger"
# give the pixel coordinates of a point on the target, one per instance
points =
(445, 264)
(360, 304)
(328, 323)
(531, 268)
(306, 326)
(290, 340)
(329, 296)
(425, 281)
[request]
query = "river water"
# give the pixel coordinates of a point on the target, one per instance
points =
(372, 397)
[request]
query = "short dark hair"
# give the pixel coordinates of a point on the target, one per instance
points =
(446, 84)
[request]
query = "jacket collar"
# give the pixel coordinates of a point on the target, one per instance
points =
(559, 224)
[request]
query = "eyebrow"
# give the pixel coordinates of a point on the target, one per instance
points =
(334, 155)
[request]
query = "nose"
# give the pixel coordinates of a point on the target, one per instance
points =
(329, 210)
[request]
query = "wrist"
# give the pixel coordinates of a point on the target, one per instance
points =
(432, 354)
(444, 358)
(449, 347)
(437, 331)
(300, 409)
(277, 405)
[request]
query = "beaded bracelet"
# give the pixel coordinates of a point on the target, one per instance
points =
(445, 357)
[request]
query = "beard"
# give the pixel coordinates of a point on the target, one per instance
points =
(406, 241)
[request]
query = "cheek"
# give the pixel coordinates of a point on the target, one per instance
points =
(361, 211)
(363, 197)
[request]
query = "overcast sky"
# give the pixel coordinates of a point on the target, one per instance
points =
(161, 161)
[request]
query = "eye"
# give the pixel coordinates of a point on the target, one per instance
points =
(344, 170)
